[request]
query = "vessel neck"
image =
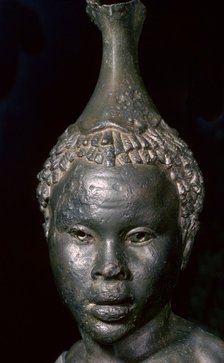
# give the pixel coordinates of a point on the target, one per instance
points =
(120, 51)
(120, 98)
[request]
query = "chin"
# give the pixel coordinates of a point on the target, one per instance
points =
(107, 333)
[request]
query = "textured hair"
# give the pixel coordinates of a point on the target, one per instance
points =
(114, 146)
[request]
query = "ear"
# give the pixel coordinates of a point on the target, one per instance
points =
(187, 250)
(189, 232)
(46, 224)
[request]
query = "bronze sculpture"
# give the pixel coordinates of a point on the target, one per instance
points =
(121, 195)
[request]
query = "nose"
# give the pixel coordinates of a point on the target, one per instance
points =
(110, 263)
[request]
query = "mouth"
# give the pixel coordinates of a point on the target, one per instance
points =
(112, 310)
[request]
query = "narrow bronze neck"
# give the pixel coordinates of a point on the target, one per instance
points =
(120, 98)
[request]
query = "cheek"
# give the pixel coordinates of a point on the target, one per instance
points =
(71, 264)
(155, 268)
(71, 270)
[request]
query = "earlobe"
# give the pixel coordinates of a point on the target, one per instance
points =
(187, 251)
(186, 254)
(189, 235)
(46, 224)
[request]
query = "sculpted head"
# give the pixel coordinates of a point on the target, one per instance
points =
(121, 212)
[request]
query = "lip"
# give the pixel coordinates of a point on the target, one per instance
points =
(110, 292)
(112, 299)
(110, 312)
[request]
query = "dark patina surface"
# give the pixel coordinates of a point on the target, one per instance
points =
(121, 194)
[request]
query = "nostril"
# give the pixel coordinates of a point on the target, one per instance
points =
(110, 271)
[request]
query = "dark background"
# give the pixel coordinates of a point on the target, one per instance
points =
(49, 62)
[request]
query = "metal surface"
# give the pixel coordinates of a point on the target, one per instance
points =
(121, 194)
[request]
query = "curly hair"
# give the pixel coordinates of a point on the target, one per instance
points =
(113, 146)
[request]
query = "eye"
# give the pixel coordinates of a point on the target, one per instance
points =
(81, 234)
(140, 236)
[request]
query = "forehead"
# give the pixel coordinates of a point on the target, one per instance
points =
(88, 186)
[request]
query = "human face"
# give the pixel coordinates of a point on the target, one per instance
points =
(115, 246)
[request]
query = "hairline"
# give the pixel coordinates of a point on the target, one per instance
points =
(162, 142)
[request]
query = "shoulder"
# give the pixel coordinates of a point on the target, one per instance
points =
(208, 347)
(201, 345)
(75, 354)
(61, 359)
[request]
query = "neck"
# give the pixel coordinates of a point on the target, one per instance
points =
(136, 347)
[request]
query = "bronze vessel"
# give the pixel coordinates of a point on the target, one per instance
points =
(121, 194)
